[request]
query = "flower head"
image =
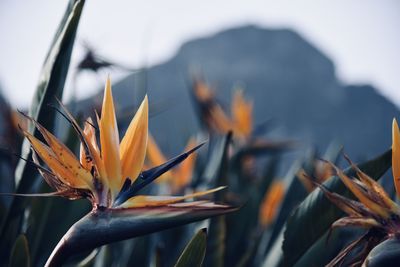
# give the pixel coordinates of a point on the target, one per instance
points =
(373, 210)
(215, 117)
(110, 175)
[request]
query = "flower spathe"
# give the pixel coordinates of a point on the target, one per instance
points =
(110, 175)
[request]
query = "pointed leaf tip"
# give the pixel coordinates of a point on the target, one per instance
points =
(20, 255)
(195, 250)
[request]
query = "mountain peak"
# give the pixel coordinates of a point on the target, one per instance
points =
(288, 78)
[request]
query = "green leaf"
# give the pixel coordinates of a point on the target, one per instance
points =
(316, 213)
(244, 233)
(217, 166)
(20, 253)
(43, 238)
(51, 84)
(194, 252)
(385, 254)
(324, 250)
(218, 171)
(102, 227)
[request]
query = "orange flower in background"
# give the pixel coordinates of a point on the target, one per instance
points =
(271, 203)
(215, 118)
(374, 209)
(110, 175)
(322, 172)
(179, 177)
(242, 115)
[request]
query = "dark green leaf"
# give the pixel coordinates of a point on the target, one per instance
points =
(20, 253)
(194, 252)
(216, 168)
(218, 171)
(244, 232)
(51, 84)
(385, 254)
(316, 213)
(324, 250)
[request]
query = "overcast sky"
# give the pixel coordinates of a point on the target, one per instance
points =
(361, 36)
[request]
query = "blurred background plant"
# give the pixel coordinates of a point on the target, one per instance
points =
(264, 138)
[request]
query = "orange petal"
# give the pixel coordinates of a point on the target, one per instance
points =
(64, 172)
(155, 158)
(242, 111)
(396, 156)
(376, 190)
(182, 174)
(109, 140)
(271, 203)
(219, 120)
(156, 201)
(92, 149)
(134, 143)
(361, 195)
(65, 155)
(154, 154)
(202, 92)
(90, 136)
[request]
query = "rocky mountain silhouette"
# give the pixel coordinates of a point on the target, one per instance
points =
(289, 80)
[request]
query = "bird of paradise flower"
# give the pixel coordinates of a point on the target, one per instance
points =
(374, 210)
(215, 118)
(240, 122)
(111, 176)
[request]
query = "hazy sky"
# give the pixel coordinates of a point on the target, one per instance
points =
(361, 36)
